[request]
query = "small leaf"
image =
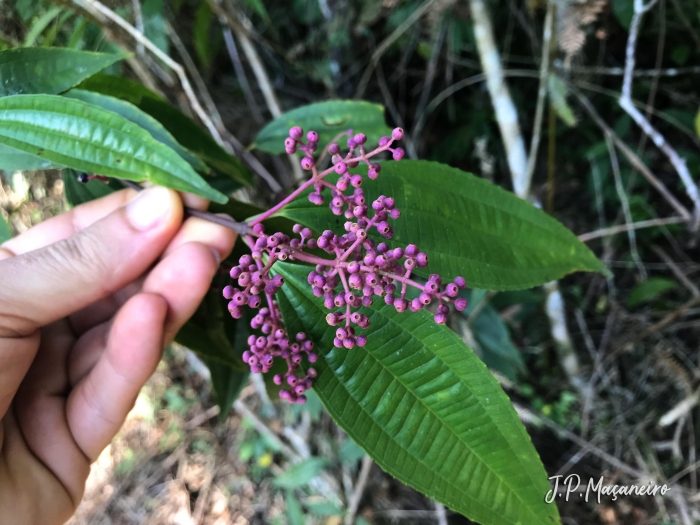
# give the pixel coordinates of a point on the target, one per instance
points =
(557, 96)
(467, 226)
(498, 351)
(300, 474)
(5, 232)
(322, 509)
(90, 139)
(138, 117)
(227, 384)
(328, 119)
(202, 30)
(48, 70)
(12, 159)
(154, 24)
(184, 129)
(425, 408)
(649, 290)
(41, 23)
(295, 514)
(78, 193)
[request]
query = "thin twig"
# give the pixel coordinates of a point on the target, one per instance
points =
(221, 219)
(440, 513)
(354, 502)
(682, 277)
(106, 13)
(626, 103)
(506, 112)
(614, 230)
(627, 152)
(622, 195)
(262, 428)
(542, 89)
(680, 410)
(241, 76)
(377, 55)
(430, 74)
(138, 20)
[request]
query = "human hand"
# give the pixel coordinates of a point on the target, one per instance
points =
(88, 301)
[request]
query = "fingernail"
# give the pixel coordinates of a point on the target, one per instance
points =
(149, 208)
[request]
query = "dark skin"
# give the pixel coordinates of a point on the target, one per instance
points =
(88, 301)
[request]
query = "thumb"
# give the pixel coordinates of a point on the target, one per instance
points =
(44, 285)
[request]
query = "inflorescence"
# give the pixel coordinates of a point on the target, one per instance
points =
(359, 269)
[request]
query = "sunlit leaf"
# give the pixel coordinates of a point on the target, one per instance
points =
(90, 139)
(425, 408)
(328, 119)
(48, 70)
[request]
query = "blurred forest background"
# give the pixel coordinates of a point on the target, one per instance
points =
(605, 373)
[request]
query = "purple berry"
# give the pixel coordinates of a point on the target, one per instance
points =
(396, 134)
(312, 136)
(460, 303)
(307, 163)
(398, 154)
(296, 132)
(459, 281)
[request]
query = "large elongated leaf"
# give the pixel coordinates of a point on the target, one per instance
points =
(426, 409)
(48, 70)
(184, 129)
(328, 119)
(12, 159)
(87, 138)
(138, 117)
(467, 226)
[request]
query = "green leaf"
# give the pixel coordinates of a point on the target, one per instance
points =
(78, 193)
(202, 30)
(497, 349)
(322, 509)
(300, 474)
(649, 290)
(227, 384)
(138, 117)
(48, 70)
(295, 514)
(259, 8)
(119, 87)
(154, 24)
(12, 159)
(87, 138)
(467, 226)
(5, 232)
(184, 129)
(425, 408)
(328, 119)
(557, 96)
(41, 23)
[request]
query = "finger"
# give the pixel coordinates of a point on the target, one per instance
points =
(194, 229)
(182, 279)
(194, 201)
(41, 286)
(65, 225)
(204, 232)
(99, 404)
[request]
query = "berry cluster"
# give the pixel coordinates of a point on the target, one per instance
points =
(359, 270)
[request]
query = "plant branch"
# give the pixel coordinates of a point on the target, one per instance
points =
(224, 220)
(632, 157)
(614, 230)
(386, 43)
(626, 103)
(542, 90)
